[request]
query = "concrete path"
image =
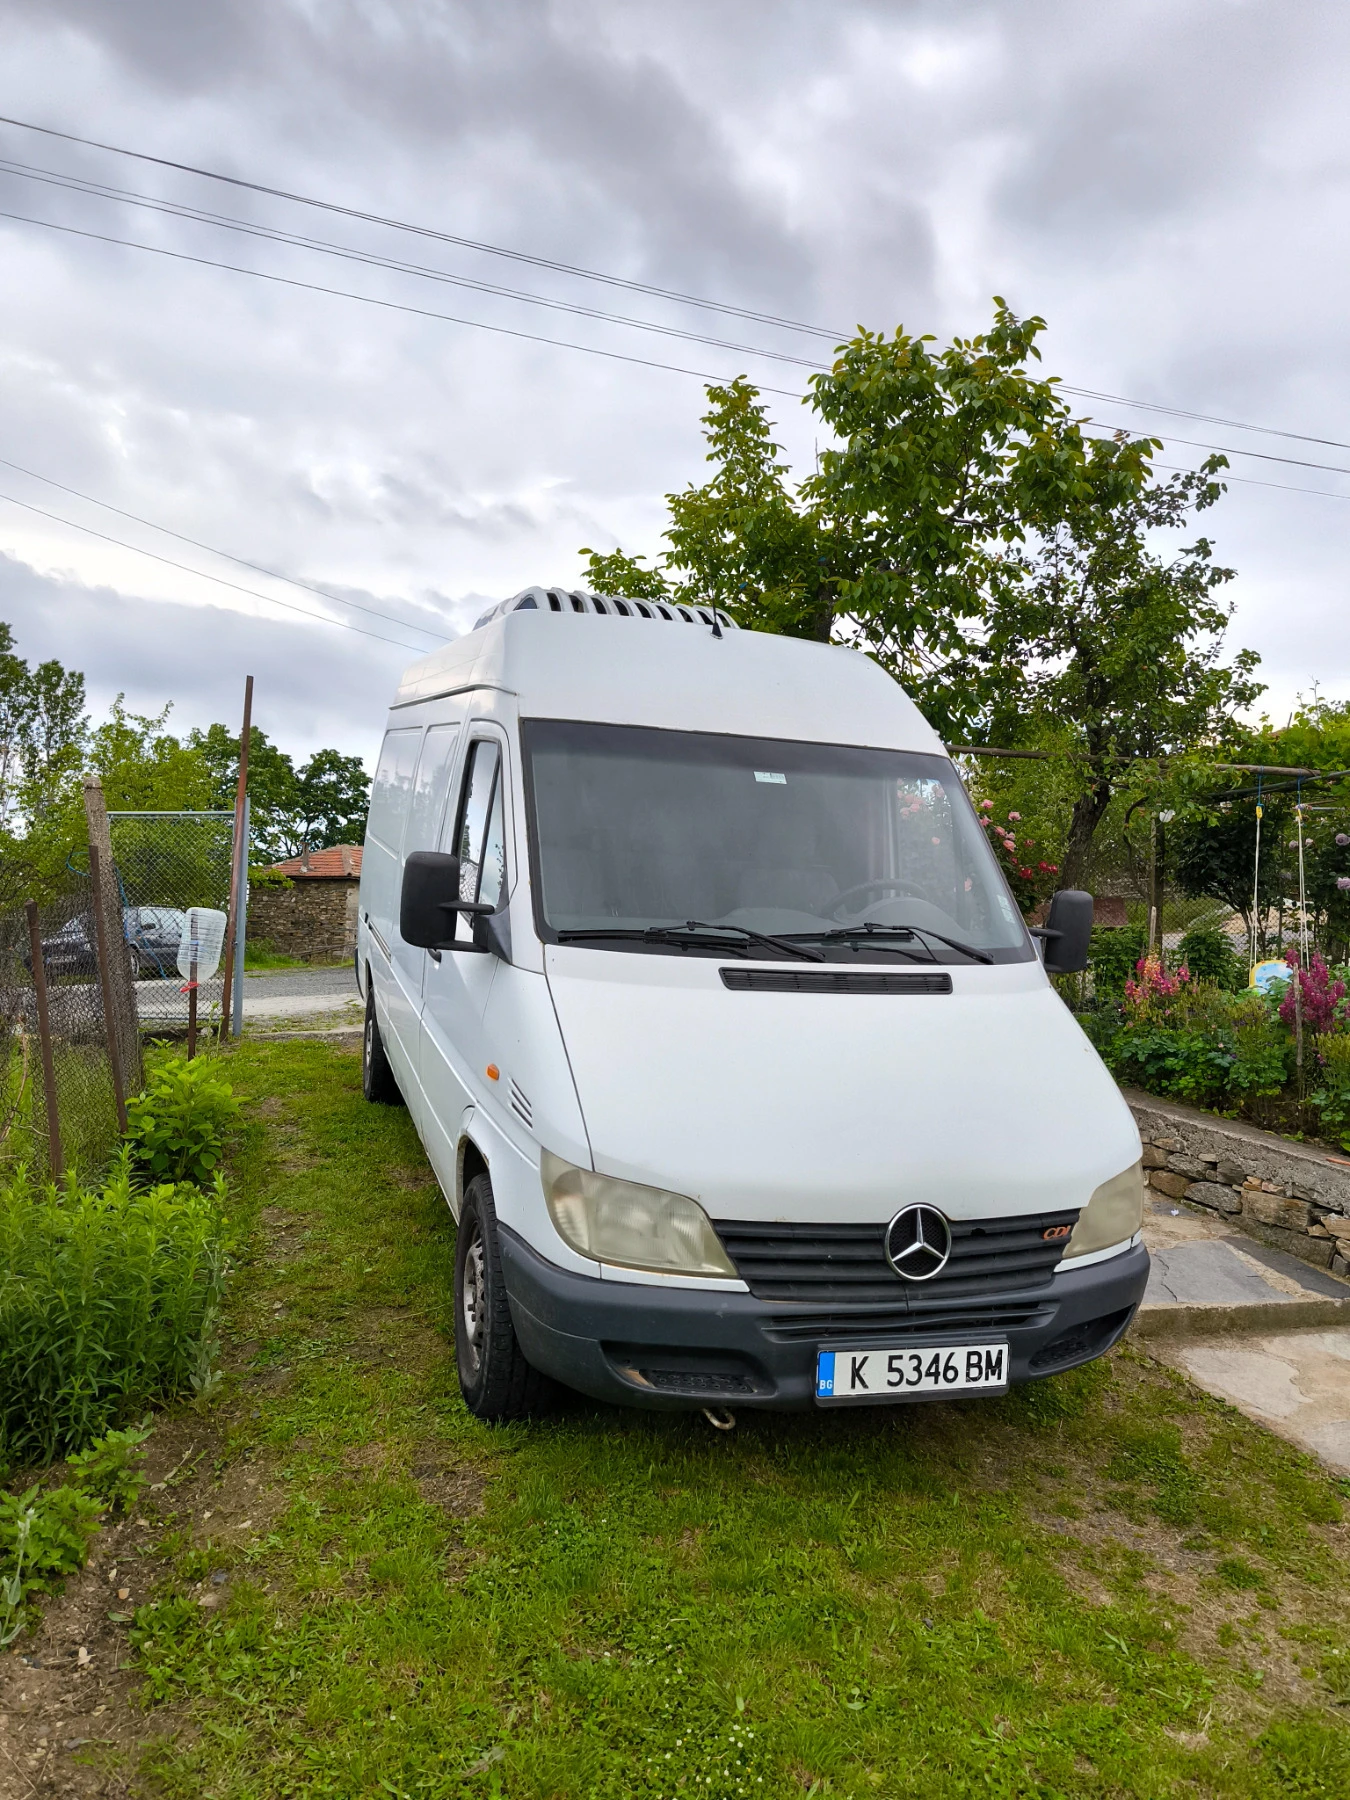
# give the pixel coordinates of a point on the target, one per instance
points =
(1258, 1328)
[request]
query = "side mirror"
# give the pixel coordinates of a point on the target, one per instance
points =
(429, 900)
(1067, 932)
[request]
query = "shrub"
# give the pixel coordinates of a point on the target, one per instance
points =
(1113, 956)
(1210, 956)
(1331, 1098)
(108, 1302)
(176, 1129)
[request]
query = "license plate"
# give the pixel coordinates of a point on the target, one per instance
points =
(895, 1374)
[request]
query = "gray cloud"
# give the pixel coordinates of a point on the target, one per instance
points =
(1165, 184)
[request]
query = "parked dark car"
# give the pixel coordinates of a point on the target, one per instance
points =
(153, 934)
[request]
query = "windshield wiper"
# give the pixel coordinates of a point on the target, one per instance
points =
(921, 931)
(693, 932)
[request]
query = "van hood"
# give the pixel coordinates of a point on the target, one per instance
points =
(986, 1102)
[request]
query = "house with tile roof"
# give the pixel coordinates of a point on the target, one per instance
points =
(306, 906)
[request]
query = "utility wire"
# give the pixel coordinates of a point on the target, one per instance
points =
(187, 569)
(617, 281)
(348, 253)
(244, 563)
(1180, 412)
(421, 312)
(426, 231)
(564, 343)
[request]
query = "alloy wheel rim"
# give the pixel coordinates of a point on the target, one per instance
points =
(471, 1302)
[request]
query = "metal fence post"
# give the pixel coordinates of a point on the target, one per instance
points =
(57, 1162)
(108, 907)
(106, 987)
(241, 930)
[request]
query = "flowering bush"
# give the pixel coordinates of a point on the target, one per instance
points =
(1320, 995)
(1031, 880)
(1152, 987)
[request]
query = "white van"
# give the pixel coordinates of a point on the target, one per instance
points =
(731, 1051)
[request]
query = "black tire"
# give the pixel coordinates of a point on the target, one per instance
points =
(377, 1078)
(496, 1381)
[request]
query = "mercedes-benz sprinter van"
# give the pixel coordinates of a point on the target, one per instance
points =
(737, 1063)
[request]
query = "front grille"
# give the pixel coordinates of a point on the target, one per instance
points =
(885, 1324)
(837, 981)
(831, 1263)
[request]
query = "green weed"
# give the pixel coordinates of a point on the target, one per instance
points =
(109, 1299)
(176, 1128)
(45, 1534)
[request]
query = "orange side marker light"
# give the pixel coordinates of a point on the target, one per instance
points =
(493, 1072)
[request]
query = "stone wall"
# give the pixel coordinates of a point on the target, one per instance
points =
(1291, 1196)
(314, 919)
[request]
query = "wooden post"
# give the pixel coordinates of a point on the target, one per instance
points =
(108, 907)
(44, 1025)
(237, 876)
(105, 983)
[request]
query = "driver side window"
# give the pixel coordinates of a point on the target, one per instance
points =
(480, 840)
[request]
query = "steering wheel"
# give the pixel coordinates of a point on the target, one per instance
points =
(881, 883)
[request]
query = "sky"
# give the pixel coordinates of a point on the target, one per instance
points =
(1166, 182)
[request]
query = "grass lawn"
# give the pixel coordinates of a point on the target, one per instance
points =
(1107, 1584)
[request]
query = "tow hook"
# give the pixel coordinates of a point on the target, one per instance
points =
(720, 1418)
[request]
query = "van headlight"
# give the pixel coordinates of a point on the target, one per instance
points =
(1112, 1216)
(637, 1227)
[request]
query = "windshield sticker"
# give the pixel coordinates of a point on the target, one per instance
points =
(766, 775)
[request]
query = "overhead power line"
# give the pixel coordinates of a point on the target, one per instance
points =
(187, 569)
(244, 563)
(560, 343)
(426, 231)
(421, 312)
(348, 253)
(578, 271)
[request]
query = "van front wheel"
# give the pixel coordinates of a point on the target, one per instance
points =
(494, 1377)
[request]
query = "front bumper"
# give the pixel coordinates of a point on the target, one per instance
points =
(677, 1348)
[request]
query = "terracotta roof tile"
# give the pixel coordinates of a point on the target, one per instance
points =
(341, 862)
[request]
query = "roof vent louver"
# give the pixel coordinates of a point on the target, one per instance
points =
(580, 600)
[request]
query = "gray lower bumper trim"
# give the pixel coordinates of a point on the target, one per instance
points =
(677, 1348)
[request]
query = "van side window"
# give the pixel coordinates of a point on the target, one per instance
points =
(480, 840)
(389, 791)
(429, 785)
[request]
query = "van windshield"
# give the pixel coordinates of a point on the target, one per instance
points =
(636, 832)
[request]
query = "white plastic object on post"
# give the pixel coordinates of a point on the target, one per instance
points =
(203, 940)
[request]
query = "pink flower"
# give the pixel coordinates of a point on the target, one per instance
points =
(986, 806)
(1016, 816)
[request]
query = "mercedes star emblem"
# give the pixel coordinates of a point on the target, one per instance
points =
(918, 1243)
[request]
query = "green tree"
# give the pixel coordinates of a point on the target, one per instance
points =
(273, 786)
(333, 797)
(945, 470)
(614, 572)
(1114, 641)
(43, 728)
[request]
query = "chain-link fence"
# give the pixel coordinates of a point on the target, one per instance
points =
(167, 863)
(60, 1067)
